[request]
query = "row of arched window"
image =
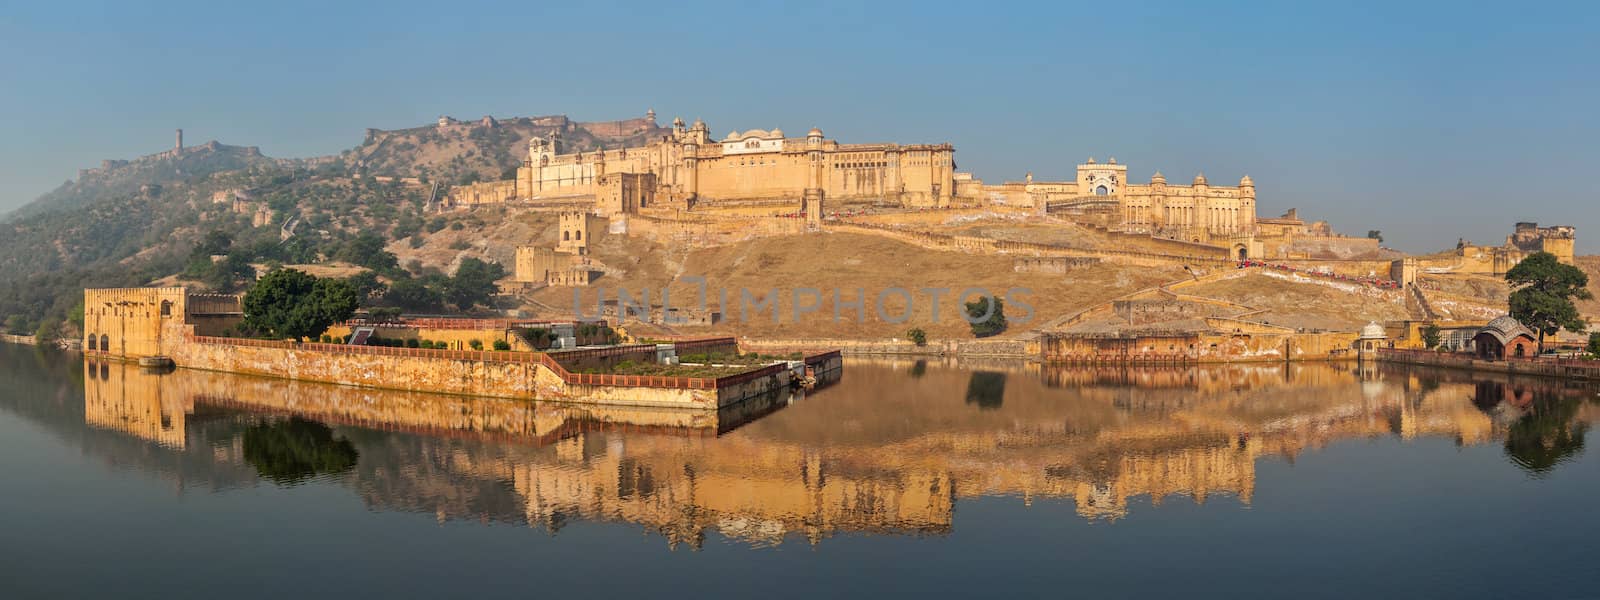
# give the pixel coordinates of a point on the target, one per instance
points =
(105, 342)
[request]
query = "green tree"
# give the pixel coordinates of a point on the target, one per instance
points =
(366, 285)
(1594, 344)
(473, 283)
(414, 295)
(1375, 234)
(75, 316)
(17, 325)
(1430, 336)
(366, 249)
(993, 324)
(296, 449)
(1542, 293)
(47, 333)
(917, 336)
(292, 304)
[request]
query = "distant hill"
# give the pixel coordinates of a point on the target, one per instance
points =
(128, 222)
(458, 152)
(130, 177)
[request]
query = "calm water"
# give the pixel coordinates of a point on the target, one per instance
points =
(899, 479)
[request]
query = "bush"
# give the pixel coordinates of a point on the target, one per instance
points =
(917, 336)
(1430, 336)
(413, 343)
(425, 344)
(1594, 343)
(996, 321)
(326, 339)
(476, 344)
(502, 345)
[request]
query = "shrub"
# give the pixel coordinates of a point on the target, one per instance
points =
(1594, 344)
(476, 344)
(425, 344)
(413, 343)
(917, 336)
(326, 339)
(502, 345)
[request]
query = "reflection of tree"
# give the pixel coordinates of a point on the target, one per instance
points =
(986, 389)
(296, 449)
(917, 370)
(1546, 436)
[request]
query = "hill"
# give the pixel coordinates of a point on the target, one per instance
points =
(130, 222)
(124, 178)
(458, 152)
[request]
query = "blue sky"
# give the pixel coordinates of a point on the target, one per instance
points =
(1429, 121)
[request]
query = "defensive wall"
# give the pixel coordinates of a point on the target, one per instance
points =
(961, 243)
(1242, 342)
(1008, 348)
(523, 375)
(1548, 367)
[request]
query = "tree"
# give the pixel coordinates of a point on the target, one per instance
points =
(413, 294)
(993, 324)
(917, 336)
(366, 285)
(49, 330)
(366, 249)
(292, 304)
(473, 283)
(1594, 344)
(17, 325)
(1542, 293)
(1375, 234)
(1430, 336)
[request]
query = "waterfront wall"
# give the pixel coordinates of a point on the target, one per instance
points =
(998, 348)
(18, 339)
(1245, 344)
(1567, 368)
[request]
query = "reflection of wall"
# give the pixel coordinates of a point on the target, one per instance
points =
(888, 449)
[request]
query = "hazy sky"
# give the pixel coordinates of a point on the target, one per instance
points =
(1428, 121)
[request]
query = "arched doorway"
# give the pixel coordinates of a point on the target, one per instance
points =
(1101, 191)
(1243, 253)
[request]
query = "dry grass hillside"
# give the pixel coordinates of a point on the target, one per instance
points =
(846, 262)
(1312, 305)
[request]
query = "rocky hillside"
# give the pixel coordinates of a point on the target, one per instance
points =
(144, 175)
(130, 222)
(486, 149)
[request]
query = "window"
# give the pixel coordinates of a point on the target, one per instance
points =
(166, 308)
(92, 344)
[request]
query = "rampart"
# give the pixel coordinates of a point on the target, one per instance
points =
(522, 375)
(1548, 367)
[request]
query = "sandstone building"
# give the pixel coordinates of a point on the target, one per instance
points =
(689, 168)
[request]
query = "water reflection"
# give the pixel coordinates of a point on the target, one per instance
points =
(892, 447)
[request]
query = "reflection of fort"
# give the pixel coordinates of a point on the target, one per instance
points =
(890, 448)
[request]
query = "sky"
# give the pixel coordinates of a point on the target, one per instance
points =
(1429, 121)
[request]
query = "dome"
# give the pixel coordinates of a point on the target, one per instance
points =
(1505, 327)
(777, 133)
(1373, 331)
(1200, 179)
(814, 132)
(1158, 178)
(732, 135)
(1246, 181)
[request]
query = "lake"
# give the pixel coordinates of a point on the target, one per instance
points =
(902, 478)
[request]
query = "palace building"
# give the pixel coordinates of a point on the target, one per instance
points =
(689, 168)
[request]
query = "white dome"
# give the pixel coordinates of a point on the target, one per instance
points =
(1373, 331)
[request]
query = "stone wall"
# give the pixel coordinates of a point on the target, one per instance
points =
(1207, 347)
(1567, 368)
